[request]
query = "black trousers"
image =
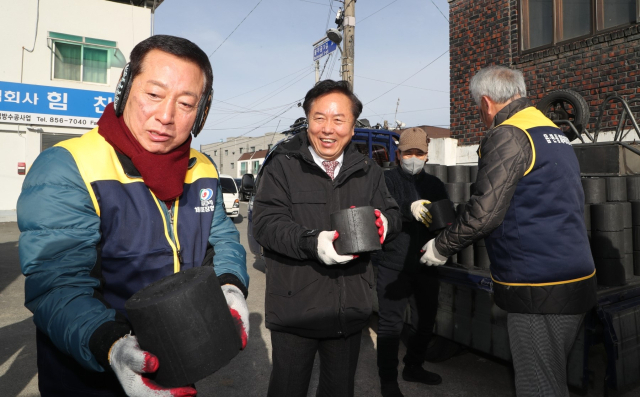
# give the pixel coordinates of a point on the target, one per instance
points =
(395, 290)
(293, 358)
(60, 375)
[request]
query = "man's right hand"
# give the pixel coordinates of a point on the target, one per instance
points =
(327, 253)
(129, 362)
(421, 213)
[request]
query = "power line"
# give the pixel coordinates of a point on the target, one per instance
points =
(403, 85)
(410, 111)
(397, 85)
(446, 19)
(370, 15)
(315, 2)
(214, 51)
(275, 81)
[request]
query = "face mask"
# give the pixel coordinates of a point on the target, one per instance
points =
(412, 165)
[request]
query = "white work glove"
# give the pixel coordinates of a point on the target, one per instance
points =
(327, 253)
(421, 213)
(129, 362)
(431, 255)
(239, 310)
(382, 225)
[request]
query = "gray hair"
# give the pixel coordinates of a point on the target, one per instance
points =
(498, 83)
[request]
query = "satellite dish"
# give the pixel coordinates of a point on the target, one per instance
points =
(334, 35)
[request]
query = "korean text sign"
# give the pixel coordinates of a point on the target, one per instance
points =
(45, 105)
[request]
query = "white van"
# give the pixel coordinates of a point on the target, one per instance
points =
(230, 195)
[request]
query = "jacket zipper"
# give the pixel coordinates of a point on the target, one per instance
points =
(177, 256)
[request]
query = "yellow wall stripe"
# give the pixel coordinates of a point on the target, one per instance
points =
(544, 284)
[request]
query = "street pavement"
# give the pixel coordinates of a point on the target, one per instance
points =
(467, 374)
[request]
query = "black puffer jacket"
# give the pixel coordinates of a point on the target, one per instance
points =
(293, 204)
(403, 253)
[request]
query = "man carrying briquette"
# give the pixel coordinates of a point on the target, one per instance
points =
(318, 300)
(528, 205)
(106, 214)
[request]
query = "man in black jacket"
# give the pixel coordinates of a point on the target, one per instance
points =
(400, 274)
(528, 204)
(317, 300)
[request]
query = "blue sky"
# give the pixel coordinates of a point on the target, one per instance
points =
(266, 66)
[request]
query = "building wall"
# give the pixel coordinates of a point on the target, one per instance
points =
(232, 147)
(486, 32)
(125, 24)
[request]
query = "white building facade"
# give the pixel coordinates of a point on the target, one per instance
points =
(61, 63)
(227, 155)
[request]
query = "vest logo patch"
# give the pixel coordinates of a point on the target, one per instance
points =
(206, 202)
(556, 138)
(206, 194)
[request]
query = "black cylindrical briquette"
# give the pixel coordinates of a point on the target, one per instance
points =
(458, 192)
(607, 244)
(465, 256)
(607, 217)
(616, 188)
(636, 263)
(429, 168)
(627, 263)
(443, 214)
(357, 230)
(184, 320)
(635, 212)
(481, 256)
(595, 190)
(473, 173)
(587, 216)
(633, 187)
(457, 173)
(440, 172)
(628, 240)
(610, 272)
(627, 217)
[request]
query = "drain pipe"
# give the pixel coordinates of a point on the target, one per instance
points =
(153, 14)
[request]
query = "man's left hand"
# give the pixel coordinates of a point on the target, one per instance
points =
(431, 255)
(382, 224)
(239, 310)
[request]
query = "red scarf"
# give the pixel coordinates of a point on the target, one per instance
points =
(162, 173)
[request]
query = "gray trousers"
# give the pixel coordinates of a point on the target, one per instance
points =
(540, 345)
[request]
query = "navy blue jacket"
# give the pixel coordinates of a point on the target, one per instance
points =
(93, 234)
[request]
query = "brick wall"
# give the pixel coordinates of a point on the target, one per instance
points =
(485, 32)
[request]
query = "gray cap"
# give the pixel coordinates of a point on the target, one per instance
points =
(413, 138)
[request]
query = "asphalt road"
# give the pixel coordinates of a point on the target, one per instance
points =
(467, 374)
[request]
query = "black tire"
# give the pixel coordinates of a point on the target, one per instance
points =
(566, 105)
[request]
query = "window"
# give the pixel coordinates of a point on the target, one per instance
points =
(48, 140)
(269, 146)
(240, 150)
(253, 148)
(243, 168)
(548, 22)
(80, 58)
(256, 167)
(232, 165)
(226, 152)
(215, 152)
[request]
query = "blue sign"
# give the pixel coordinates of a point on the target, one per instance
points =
(324, 48)
(59, 106)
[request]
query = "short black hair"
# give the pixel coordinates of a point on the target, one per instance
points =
(325, 87)
(178, 46)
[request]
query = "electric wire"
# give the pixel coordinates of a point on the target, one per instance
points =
(243, 19)
(402, 85)
(397, 85)
(315, 2)
(370, 15)
(446, 19)
(275, 81)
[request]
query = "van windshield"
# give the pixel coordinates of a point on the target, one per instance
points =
(228, 186)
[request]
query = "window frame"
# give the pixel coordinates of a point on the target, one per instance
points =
(54, 38)
(596, 18)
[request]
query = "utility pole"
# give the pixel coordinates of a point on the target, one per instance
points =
(349, 30)
(317, 72)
